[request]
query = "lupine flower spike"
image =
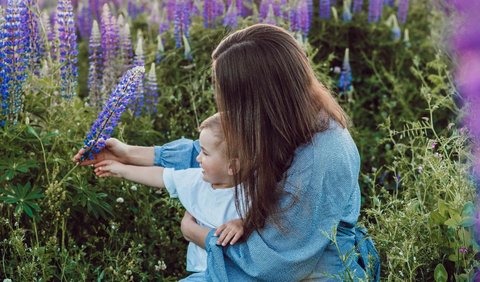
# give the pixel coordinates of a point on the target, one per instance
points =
(345, 80)
(230, 18)
(151, 91)
(375, 9)
(13, 61)
(324, 6)
(346, 14)
(406, 38)
(357, 6)
(139, 61)
(95, 68)
(402, 11)
(270, 19)
(160, 50)
(110, 115)
(394, 28)
(67, 49)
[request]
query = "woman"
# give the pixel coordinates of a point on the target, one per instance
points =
(299, 167)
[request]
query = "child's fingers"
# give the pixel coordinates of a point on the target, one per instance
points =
(219, 230)
(236, 238)
(228, 237)
(222, 237)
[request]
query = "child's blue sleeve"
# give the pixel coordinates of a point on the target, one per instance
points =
(178, 154)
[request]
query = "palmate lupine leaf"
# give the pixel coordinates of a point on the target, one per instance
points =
(23, 197)
(108, 118)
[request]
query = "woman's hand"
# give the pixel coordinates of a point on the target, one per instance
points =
(114, 150)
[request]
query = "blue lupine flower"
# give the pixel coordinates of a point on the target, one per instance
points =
(208, 13)
(84, 20)
(32, 35)
(357, 6)
(95, 66)
(110, 115)
(13, 60)
(151, 91)
(324, 8)
(402, 11)
(375, 9)
(345, 80)
(67, 49)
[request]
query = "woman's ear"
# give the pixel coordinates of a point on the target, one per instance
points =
(234, 166)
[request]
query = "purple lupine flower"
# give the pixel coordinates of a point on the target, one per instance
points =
(67, 49)
(170, 7)
(333, 3)
(466, 46)
(126, 49)
(110, 43)
(265, 9)
(375, 9)
(96, 7)
(270, 18)
(241, 9)
(357, 6)
(151, 91)
(402, 11)
(219, 8)
(346, 13)
(95, 66)
(208, 13)
(181, 23)
(303, 16)
(160, 50)
(13, 61)
(109, 117)
(139, 61)
(32, 35)
(135, 8)
(231, 17)
(345, 81)
(84, 20)
(163, 24)
(390, 3)
(324, 9)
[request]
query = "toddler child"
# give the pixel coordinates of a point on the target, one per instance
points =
(207, 193)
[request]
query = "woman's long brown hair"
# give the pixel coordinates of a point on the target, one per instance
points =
(272, 104)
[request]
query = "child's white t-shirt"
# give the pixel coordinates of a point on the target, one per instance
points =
(211, 207)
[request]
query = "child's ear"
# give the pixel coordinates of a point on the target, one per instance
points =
(234, 167)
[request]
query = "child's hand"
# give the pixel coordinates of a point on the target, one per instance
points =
(110, 168)
(231, 232)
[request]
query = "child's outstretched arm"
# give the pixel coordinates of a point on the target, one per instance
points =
(230, 232)
(147, 175)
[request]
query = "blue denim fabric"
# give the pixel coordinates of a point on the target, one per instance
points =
(322, 192)
(178, 154)
(194, 277)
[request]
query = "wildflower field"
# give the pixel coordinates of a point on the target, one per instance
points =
(75, 71)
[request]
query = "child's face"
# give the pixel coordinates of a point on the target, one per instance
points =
(213, 161)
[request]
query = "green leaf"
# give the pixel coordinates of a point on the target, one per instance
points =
(468, 209)
(32, 131)
(467, 222)
(437, 218)
(442, 207)
(452, 222)
(440, 273)
(27, 210)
